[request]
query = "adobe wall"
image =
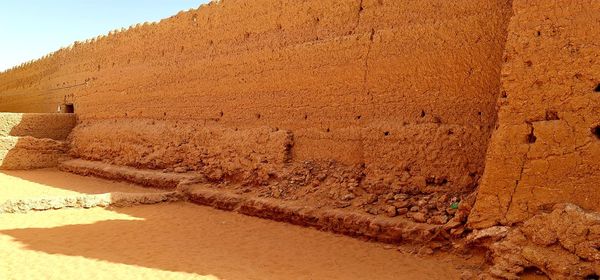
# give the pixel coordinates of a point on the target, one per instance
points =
(546, 148)
(402, 93)
(50, 126)
(31, 141)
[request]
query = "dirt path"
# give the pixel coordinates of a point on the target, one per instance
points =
(185, 241)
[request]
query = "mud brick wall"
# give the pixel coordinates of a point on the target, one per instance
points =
(406, 91)
(546, 148)
(30, 141)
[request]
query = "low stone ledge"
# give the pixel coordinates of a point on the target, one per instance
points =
(148, 178)
(390, 230)
(86, 201)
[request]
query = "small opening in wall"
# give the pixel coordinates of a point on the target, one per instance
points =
(597, 89)
(532, 272)
(596, 131)
(552, 115)
(531, 138)
(386, 133)
(593, 276)
(68, 108)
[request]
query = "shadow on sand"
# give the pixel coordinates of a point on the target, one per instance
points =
(182, 237)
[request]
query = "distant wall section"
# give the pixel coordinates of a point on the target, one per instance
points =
(405, 91)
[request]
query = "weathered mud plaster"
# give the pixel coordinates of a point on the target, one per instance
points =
(562, 244)
(545, 149)
(29, 141)
(42, 126)
(405, 89)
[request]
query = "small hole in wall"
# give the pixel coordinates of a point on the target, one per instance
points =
(221, 114)
(552, 115)
(386, 133)
(258, 116)
(539, 33)
(422, 114)
(305, 116)
(596, 131)
(532, 272)
(531, 138)
(597, 89)
(358, 117)
(328, 130)
(593, 276)
(69, 108)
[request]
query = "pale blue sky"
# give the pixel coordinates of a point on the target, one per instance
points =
(30, 29)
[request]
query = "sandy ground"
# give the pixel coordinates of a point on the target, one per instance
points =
(50, 182)
(182, 241)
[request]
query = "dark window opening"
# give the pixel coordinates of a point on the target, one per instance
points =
(68, 108)
(597, 89)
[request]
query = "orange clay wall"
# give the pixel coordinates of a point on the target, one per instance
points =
(546, 148)
(402, 92)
